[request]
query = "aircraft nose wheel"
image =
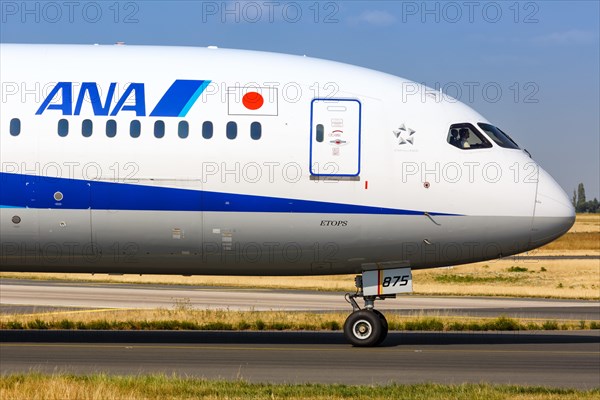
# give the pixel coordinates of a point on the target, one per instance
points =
(384, 325)
(365, 328)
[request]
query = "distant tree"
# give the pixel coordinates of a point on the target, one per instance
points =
(594, 207)
(580, 206)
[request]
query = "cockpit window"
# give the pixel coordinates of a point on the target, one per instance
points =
(466, 136)
(501, 138)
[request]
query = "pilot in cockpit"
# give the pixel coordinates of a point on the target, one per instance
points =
(454, 140)
(464, 138)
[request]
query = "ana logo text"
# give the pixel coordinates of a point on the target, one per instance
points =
(176, 102)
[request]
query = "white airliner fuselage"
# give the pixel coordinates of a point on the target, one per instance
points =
(170, 160)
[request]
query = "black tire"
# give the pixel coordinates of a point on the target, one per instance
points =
(384, 327)
(363, 328)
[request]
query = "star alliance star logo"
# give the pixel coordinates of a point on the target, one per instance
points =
(404, 135)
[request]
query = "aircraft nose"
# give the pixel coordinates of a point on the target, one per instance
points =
(554, 214)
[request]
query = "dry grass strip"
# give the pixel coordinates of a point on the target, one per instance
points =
(159, 387)
(183, 316)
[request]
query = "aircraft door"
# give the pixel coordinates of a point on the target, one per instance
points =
(335, 137)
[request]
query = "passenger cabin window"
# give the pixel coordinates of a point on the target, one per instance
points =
(15, 127)
(87, 128)
(467, 137)
(63, 127)
(320, 133)
(183, 129)
(135, 129)
(159, 129)
(207, 130)
(231, 130)
(501, 138)
(255, 130)
(111, 128)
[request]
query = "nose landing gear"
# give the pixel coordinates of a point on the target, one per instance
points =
(365, 327)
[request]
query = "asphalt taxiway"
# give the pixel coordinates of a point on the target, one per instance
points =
(558, 359)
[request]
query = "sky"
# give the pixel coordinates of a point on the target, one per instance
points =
(530, 67)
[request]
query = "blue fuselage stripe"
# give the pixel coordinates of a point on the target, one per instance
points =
(42, 192)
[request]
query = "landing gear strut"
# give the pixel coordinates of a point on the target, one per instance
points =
(365, 327)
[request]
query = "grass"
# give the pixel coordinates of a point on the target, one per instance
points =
(577, 279)
(199, 320)
(514, 268)
(36, 386)
(582, 239)
(575, 241)
(586, 223)
(520, 277)
(457, 278)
